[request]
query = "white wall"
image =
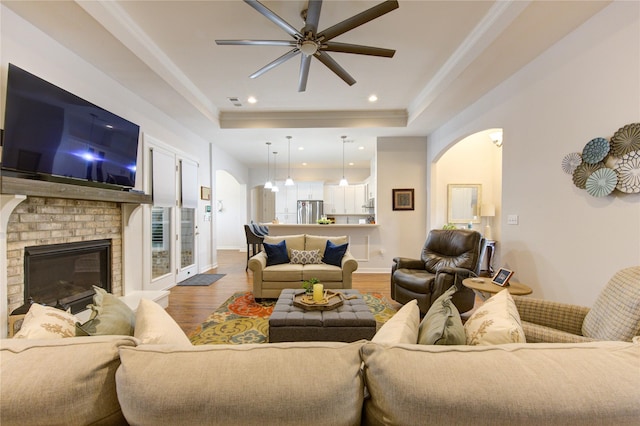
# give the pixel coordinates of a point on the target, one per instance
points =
(401, 164)
(567, 244)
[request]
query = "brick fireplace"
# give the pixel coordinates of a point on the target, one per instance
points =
(39, 221)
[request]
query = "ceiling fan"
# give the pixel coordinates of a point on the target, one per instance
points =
(311, 42)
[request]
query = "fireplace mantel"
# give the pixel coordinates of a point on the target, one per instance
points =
(39, 188)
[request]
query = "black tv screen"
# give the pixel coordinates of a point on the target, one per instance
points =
(50, 132)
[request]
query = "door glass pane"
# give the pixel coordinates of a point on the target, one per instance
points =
(160, 241)
(187, 238)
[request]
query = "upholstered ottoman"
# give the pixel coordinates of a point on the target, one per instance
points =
(350, 322)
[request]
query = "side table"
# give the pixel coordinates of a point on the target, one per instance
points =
(485, 288)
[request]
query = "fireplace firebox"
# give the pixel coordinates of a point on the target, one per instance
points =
(63, 275)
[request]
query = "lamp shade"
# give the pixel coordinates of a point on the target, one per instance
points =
(487, 210)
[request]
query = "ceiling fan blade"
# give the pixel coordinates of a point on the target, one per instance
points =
(357, 20)
(305, 63)
(290, 43)
(313, 16)
(358, 49)
(290, 54)
(333, 66)
(270, 15)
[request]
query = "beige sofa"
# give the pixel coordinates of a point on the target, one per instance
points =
(111, 381)
(156, 377)
(269, 281)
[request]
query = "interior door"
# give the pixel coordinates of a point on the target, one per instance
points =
(187, 244)
(186, 235)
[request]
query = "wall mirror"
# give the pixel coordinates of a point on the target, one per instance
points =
(464, 203)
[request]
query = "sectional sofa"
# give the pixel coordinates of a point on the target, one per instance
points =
(157, 378)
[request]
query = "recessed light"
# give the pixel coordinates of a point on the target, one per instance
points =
(252, 100)
(361, 148)
(373, 98)
(301, 148)
(304, 164)
(351, 164)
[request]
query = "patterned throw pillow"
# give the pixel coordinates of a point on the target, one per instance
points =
(305, 257)
(495, 322)
(45, 322)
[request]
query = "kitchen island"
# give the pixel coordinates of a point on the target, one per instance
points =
(361, 236)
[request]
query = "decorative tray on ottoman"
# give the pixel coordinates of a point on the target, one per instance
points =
(331, 300)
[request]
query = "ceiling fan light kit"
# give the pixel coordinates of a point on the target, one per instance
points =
(311, 43)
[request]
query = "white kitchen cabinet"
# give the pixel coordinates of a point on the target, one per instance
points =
(310, 190)
(360, 198)
(286, 200)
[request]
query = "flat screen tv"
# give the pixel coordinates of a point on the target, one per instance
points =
(52, 134)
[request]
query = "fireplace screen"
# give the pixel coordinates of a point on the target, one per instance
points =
(64, 274)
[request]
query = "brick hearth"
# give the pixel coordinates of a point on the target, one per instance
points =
(38, 221)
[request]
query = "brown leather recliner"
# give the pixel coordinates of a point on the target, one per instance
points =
(448, 257)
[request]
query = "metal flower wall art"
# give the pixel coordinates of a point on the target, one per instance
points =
(608, 165)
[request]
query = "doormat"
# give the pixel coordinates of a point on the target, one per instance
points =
(201, 279)
(242, 319)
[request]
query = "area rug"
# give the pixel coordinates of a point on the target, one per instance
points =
(201, 279)
(243, 320)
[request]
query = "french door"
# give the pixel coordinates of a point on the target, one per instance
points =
(173, 228)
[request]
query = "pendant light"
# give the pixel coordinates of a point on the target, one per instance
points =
(275, 188)
(268, 184)
(289, 181)
(343, 181)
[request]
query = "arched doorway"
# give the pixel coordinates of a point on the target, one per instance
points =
(477, 160)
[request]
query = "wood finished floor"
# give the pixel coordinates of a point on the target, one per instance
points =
(191, 305)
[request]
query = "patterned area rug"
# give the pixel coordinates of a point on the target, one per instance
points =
(243, 320)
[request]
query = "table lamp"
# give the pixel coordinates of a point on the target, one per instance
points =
(489, 211)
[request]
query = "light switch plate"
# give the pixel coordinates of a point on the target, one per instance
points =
(512, 219)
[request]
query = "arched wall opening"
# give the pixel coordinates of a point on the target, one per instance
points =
(474, 159)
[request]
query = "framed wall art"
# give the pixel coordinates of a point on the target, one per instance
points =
(403, 199)
(205, 193)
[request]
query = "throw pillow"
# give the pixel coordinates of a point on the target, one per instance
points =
(402, 327)
(110, 316)
(497, 321)
(305, 257)
(276, 253)
(442, 324)
(333, 254)
(155, 326)
(46, 322)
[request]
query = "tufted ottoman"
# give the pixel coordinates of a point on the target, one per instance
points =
(350, 322)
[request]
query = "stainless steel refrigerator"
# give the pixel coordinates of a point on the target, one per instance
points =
(309, 211)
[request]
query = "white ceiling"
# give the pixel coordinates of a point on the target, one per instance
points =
(448, 54)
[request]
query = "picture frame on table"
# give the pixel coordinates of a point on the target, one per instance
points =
(502, 277)
(403, 199)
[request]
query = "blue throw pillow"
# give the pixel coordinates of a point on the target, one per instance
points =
(333, 254)
(276, 253)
